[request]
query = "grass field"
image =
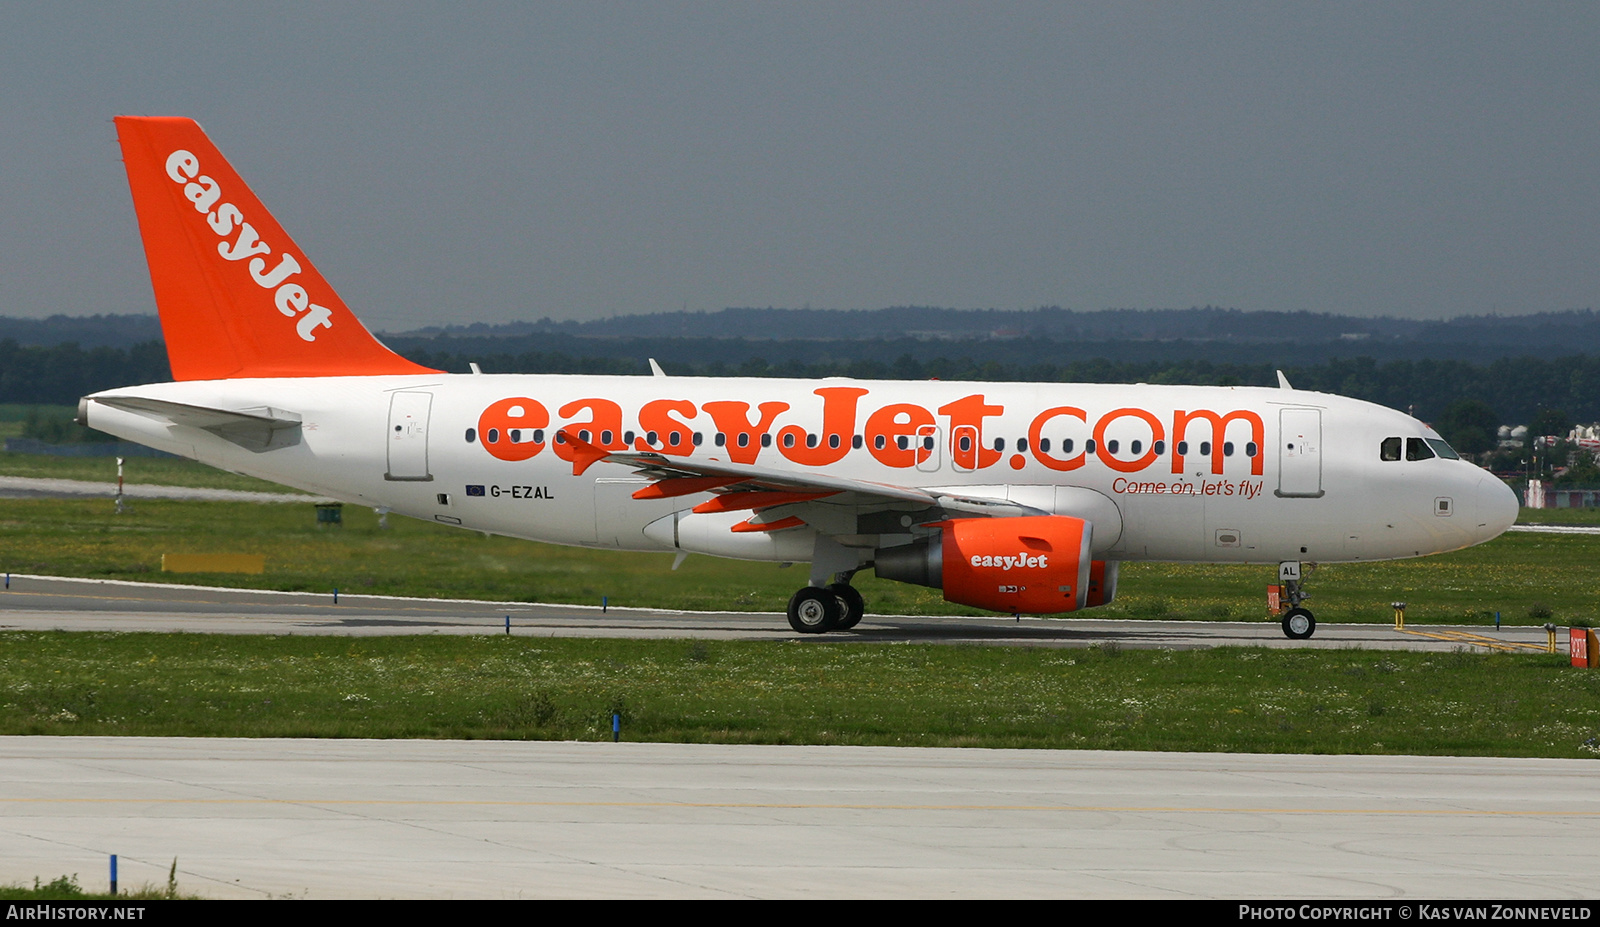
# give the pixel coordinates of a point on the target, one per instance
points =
(1229, 700)
(1528, 578)
(161, 471)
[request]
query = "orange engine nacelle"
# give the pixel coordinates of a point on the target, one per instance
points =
(1037, 564)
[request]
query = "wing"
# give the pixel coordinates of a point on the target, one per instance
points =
(780, 499)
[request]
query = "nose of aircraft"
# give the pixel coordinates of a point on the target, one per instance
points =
(1497, 506)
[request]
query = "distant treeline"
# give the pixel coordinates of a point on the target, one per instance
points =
(1515, 388)
(1571, 330)
(1208, 333)
(60, 374)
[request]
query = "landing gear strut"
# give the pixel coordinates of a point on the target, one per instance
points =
(1298, 623)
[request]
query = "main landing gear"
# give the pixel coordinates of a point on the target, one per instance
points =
(818, 609)
(1298, 622)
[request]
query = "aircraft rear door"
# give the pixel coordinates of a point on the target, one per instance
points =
(928, 448)
(408, 436)
(964, 448)
(1300, 452)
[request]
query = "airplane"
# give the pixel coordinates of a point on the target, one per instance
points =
(1017, 498)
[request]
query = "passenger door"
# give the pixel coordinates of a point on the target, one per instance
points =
(1300, 453)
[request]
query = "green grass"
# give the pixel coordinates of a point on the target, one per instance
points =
(1559, 517)
(160, 471)
(1222, 700)
(66, 888)
(1522, 576)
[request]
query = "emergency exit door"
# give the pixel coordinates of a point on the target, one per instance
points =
(408, 436)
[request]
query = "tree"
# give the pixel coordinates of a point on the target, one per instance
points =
(1549, 422)
(1470, 426)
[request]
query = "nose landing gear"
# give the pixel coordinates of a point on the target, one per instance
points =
(1298, 622)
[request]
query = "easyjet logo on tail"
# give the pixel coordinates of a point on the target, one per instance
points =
(227, 221)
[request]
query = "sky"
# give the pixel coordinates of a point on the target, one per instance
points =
(493, 162)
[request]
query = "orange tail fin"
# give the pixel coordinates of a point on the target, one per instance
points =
(237, 297)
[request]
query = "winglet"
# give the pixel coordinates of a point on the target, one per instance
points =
(1283, 381)
(237, 296)
(655, 369)
(584, 454)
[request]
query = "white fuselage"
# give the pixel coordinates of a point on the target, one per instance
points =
(1289, 475)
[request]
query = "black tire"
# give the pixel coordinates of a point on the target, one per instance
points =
(814, 611)
(851, 606)
(1299, 624)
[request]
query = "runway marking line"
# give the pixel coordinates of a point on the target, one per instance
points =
(1128, 809)
(1467, 637)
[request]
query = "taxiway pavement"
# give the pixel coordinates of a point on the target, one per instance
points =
(51, 603)
(483, 819)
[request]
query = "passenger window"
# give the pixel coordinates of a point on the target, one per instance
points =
(1417, 449)
(1389, 449)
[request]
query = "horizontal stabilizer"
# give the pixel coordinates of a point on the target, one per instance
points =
(256, 429)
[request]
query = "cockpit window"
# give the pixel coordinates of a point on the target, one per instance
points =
(1417, 449)
(1443, 449)
(1389, 449)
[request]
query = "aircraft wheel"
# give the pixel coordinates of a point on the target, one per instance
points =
(851, 606)
(1299, 624)
(813, 610)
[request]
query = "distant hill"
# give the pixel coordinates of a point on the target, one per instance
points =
(1569, 330)
(924, 331)
(87, 331)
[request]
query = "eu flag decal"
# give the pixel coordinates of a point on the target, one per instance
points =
(474, 490)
